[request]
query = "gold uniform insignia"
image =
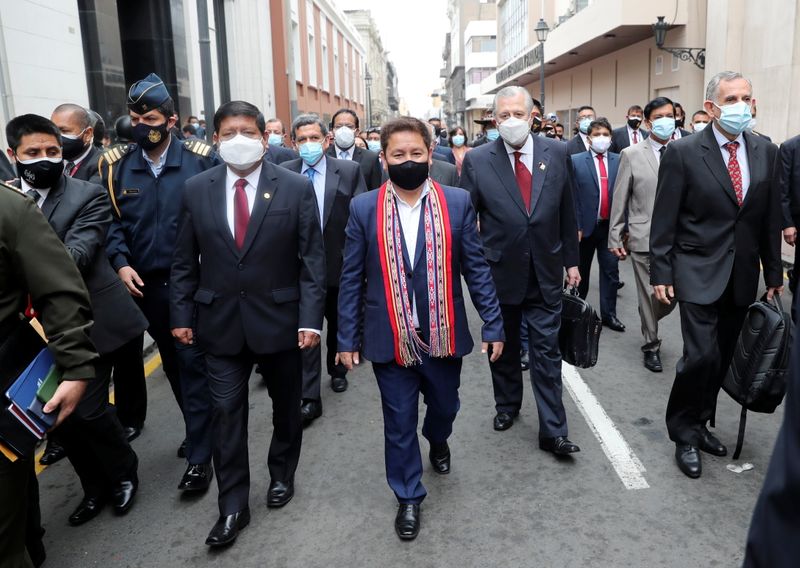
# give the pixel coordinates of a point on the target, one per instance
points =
(198, 147)
(105, 166)
(154, 136)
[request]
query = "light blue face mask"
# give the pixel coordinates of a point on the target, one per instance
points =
(664, 127)
(374, 145)
(735, 118)
(492, 134)
(311, 152)
(583, 125)
(458, 140)
(275, 139)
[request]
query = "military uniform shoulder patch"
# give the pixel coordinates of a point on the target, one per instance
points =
(116, 153)
(7, 185)
(199, 147)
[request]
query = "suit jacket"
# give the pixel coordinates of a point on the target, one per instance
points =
(343, 181)
(279, 154)
(575, 145)
(587, 188)
(701, 239)
(440, 171)
(362, 281)
(80, 214)
(513, 241)
(790, 182)
(7, 170)
(257, 297)
(620, 139)
(634, 197)
(445, 153)
(88, 168)
(369, 162)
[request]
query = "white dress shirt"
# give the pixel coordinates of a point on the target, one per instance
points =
(156, 167)
(526, 154)
(43, 193)
(630, 135)
(409, 221)
(585, 138)
(319, 182)
(77, 162)
(348, 153)
(741, 157)
(599, 183)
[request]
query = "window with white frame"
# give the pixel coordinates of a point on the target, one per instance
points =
(323, 32)
(337, 87)
(513, 24)
(312, 46)
(346, 73)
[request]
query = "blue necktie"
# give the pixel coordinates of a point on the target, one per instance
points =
(310, 173)
(343, 156)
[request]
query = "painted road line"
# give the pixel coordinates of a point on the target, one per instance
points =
(149, 367)
(628, 467)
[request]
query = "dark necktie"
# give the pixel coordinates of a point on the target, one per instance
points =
(33, 194)
(523, 180)
(735, 171)
(603, 187)
(241, 212)
(661, 153)
(70, 169)
(635, 137)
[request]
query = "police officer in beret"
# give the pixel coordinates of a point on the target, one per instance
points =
(145, 183)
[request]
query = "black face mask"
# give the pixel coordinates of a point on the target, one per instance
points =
(437, 130)
(679, 122)
(409, 175)
(72, 148)
(634, 122)
(42, 173)
(149, 137)
(536, 127)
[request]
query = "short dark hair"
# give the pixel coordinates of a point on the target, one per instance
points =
(635, 107)
(307, 120)
(283, 126)
(348, 111)
(537, 104)
(239, 108)
(191, 116)
(601, 122)
(190, 128)
(26, 124)
(84, 119)
(455, 129)
(436, 118)
(657, 102)
(559, 124)
(405, 124)
(701, 111)
(677, 106)
(585, 107)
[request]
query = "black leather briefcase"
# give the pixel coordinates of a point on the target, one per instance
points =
(579, 337)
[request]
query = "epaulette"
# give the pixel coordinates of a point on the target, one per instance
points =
(199, 147)
(11, 187)
(115, 153)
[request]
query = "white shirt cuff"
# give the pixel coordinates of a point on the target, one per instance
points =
(317, 331)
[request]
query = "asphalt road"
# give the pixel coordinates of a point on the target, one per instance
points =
(506, 503)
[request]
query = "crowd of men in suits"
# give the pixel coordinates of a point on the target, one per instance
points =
(298, 225)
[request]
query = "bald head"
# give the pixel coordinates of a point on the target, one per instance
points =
(74, 113)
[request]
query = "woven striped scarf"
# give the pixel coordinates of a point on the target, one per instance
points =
(408, 345)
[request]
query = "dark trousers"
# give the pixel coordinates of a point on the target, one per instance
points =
(794, 288)
(130, 390)
(709, 337)
(438, 381)
(93, 437)
(312, 358)
(19, 512)
(185, 368)
(609, 269)
(228, 381)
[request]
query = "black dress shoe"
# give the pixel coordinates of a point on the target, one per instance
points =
(197, 477)
(504, 420)
(182, 450)
(406, 523)
(310, 410)
(122, 495)
(279, 493)
(89, 507)
(440, 458)
(652, 361)
(52, 453)
(525, 360)
(227, 528)
(131, 432)
(688, 459)
(339, 384)
(560, 445)
(711, 445)
(613, 323)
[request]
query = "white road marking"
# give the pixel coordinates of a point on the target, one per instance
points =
(628, 467)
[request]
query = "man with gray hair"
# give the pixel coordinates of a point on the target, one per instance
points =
(77, 134)
(719, 221)
(335, 183)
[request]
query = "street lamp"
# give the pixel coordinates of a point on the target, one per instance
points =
(683, 53)
(541, 30)
(368, 83)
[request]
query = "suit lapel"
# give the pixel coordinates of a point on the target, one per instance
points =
(712, 156)
(54, 198)
(502, 167)
(613, 160)
(755, 164)
(419, 251)
(541, 159)
(647, 150)
(331, 185)
(219, 207)
(267, 186)
(589, 158)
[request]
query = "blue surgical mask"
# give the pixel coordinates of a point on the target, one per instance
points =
(492, 134)
(664, 127)
(734, 118)
(374, 145)
(458, 140)
(275, 139)
(583, 125)
(311, 152)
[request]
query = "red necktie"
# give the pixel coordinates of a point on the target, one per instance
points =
(635, 137)
(603, 187)
(735, 171)
(241, 212)
(523, 180)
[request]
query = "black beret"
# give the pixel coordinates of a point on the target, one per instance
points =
(147, 94)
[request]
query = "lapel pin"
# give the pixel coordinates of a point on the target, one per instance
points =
(267, 195)
(542, 166)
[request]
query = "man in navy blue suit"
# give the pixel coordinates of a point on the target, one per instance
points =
(406, 247)
(595, 172)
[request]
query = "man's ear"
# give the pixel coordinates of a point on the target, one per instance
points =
(10, 154)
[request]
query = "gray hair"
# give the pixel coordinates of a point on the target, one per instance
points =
(712, 89)
(513, 91)
(307, 120)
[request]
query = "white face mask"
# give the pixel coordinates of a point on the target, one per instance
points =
(698, 126)
(514, 131)
(241, 152)
(344, 137)
(600, 143)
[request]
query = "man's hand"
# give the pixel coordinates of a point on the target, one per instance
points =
(66, 398)
(131, 280)
(573, 276)
(664, 294)
(580, 236)
(790, 235)
(497, 349)
(184, 335)
(772, 291)
(307, 339)
(350, 359)
(620, 253)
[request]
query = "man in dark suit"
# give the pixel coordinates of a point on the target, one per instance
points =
(718, 222)
(790, 205)
(595, 172)
(335, 183)
(415, 328)
(580, 142)
(258, 296)
(522, 189)
(631, 133)
(680, 120)
(77, 133)
(344, 127)
(278, 154)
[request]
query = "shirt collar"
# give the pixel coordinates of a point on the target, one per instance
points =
(595, 154)
(77, 161)
(232, 177)
(655, 143)
(425, 191)
(527, 148)
(161, 159)
(722, 140)
(319, 167)
(27, 187)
